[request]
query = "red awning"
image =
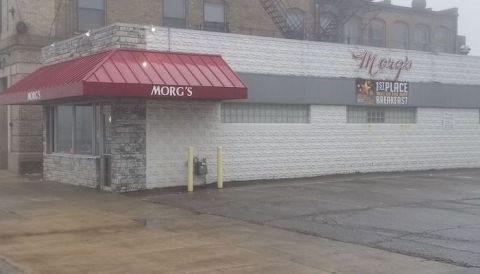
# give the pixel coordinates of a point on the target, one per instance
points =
(130, 73)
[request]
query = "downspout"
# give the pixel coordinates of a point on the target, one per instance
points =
(316, 20)
(455, 46)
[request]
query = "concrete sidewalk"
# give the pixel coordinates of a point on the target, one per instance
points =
(52, 228)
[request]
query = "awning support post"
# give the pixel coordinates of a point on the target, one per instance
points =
(190, 169)
(219, 167)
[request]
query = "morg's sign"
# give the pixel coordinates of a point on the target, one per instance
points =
(377, 92)
(375, 64)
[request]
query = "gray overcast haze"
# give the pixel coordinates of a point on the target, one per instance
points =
(469, 11)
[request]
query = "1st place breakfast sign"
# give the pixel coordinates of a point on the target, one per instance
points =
(376, 92)
(381, 92)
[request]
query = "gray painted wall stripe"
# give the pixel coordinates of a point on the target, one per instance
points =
(283, 89)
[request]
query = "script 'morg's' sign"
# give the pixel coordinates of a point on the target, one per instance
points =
(377, 92)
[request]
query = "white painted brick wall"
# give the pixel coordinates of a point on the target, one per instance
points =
(172, 126)
(254, 54)
(328, 145)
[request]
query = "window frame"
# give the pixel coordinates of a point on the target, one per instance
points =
(77, 8)
(443, 45)
(360, 31)
(428, 43)
(397, 42)
(265, 113)
(371, 39)
(215, 26)
(1, 16)
(3, 84)
(52, 124)
(369, 115)
(297, 32)
(185, 16)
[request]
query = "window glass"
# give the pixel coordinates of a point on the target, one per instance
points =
(377, 33)
(352, 31)
(83, 130)
(214, 16)
(400, 35)
(377, 115)
(295, 19)
(1, 16)
(64, 129)
(174, 8)
(214, 12)
(91, 4)
(3, 84)
(295, 22)
(422, 38)
(91, 14)
(73, 129)
(265, 113)
(174, 13)
(443, 40)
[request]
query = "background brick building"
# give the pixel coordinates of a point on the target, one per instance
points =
(29, 25)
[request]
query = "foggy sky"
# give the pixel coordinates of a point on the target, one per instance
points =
(468, 21)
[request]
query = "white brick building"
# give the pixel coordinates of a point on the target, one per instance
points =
(305, 115)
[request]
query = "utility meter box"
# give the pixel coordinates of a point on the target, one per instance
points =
(201, 168)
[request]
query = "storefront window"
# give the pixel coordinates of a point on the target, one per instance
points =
(214, 17)
(63, 129)
(91, 14)
(73, 128)
(83, 130)
(174, 13)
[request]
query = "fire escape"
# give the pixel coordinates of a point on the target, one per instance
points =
(334, 14)
(290, 24)
(329, 21)
(331, 15)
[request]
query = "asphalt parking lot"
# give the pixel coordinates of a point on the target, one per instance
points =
(432, 215)
(55, 228)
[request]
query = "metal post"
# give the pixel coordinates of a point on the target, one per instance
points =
(190, 169)
(219, 167)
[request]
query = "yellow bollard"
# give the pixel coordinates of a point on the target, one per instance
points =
(219, 167)
(190, 169)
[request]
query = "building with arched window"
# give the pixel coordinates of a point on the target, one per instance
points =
(361, 22)
(122, 115)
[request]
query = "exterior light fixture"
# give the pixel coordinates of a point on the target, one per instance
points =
(144, 64)
(88, 33)
(153, 28)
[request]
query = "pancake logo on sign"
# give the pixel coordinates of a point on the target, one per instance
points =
(34, 96)
(172, 91)
(373, 92)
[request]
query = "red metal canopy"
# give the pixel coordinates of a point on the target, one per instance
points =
(130, 73)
